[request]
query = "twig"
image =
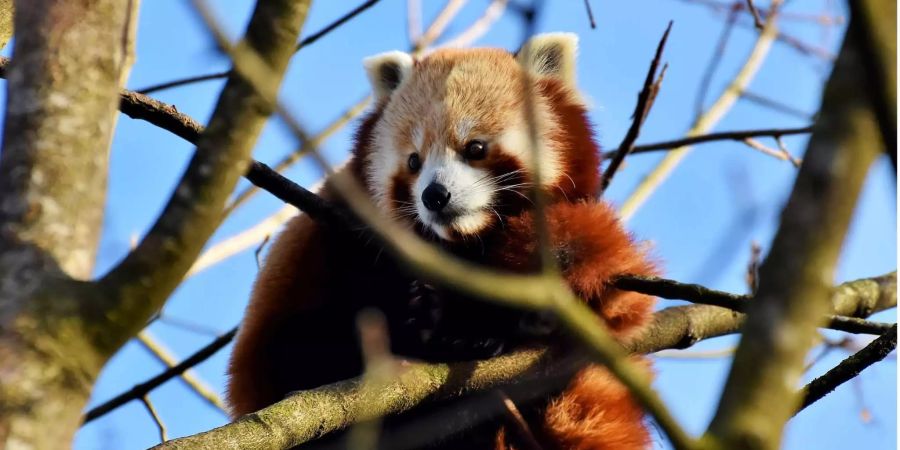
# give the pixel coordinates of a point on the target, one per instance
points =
(186, 325)
(258, 252)
(757, 21)
(451, 9)
(303, 43)
(413, 20)
(705, 122)
(781, 146)
(242, 241)
(713, 137)
(190, 378)
(641, 110)
(849, 368)
(141, 389)
(153, 414)
(858, 326)
(518, 422)
(716, 58)
(480, 26)
(758, 146)
(182, 82)
(290, 159)
(670, 289)
(775, 105)
(590, 14)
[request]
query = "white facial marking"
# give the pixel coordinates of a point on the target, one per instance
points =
(470, 194)
(464, 128)
(418, 138)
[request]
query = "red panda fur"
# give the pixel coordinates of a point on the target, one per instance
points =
(298, 329)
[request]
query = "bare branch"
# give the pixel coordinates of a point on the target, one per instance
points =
(716, 58)
(849, 368)
(775, 105)
(156, 419)
(641, 110)
(714, 137)
(480, 26)
(590, 14)
(242, 241)
(437, 27)
(303, 43)
(142, 389)
(757, 21)
(705, 121)
(190, 378)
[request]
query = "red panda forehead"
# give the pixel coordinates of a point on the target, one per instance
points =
(451, 90)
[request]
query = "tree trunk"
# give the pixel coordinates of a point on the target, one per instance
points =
(70, 60)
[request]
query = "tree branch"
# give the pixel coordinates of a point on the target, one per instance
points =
(712, 137)
(849, 368)
(142, 389)
(338, 405)
(705, 121)
(759, 397)
(645, 102)
(874, 26)
(137, 287)
(303, 43)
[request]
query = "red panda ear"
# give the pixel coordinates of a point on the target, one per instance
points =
(551, 55)
(387, 71)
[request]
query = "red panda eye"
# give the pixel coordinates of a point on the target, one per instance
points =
(414, 162)
(475, 150)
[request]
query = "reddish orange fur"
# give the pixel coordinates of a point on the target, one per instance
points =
(304, 268)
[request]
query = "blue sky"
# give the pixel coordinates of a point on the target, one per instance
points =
(701, 221)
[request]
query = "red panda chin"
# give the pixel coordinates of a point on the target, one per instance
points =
(462, 227)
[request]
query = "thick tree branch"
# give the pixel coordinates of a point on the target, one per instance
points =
(338, 405)
(849, 368)
(674, 290)
(759, 396)
(136, 288)
(6, 22)
(874, 26)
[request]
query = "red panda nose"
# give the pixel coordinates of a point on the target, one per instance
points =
(435, 197)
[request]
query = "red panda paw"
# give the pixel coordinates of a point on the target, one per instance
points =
(596, 412)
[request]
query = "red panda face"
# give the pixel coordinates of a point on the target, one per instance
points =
(451, 147)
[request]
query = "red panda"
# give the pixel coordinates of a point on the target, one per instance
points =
(446, 149)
